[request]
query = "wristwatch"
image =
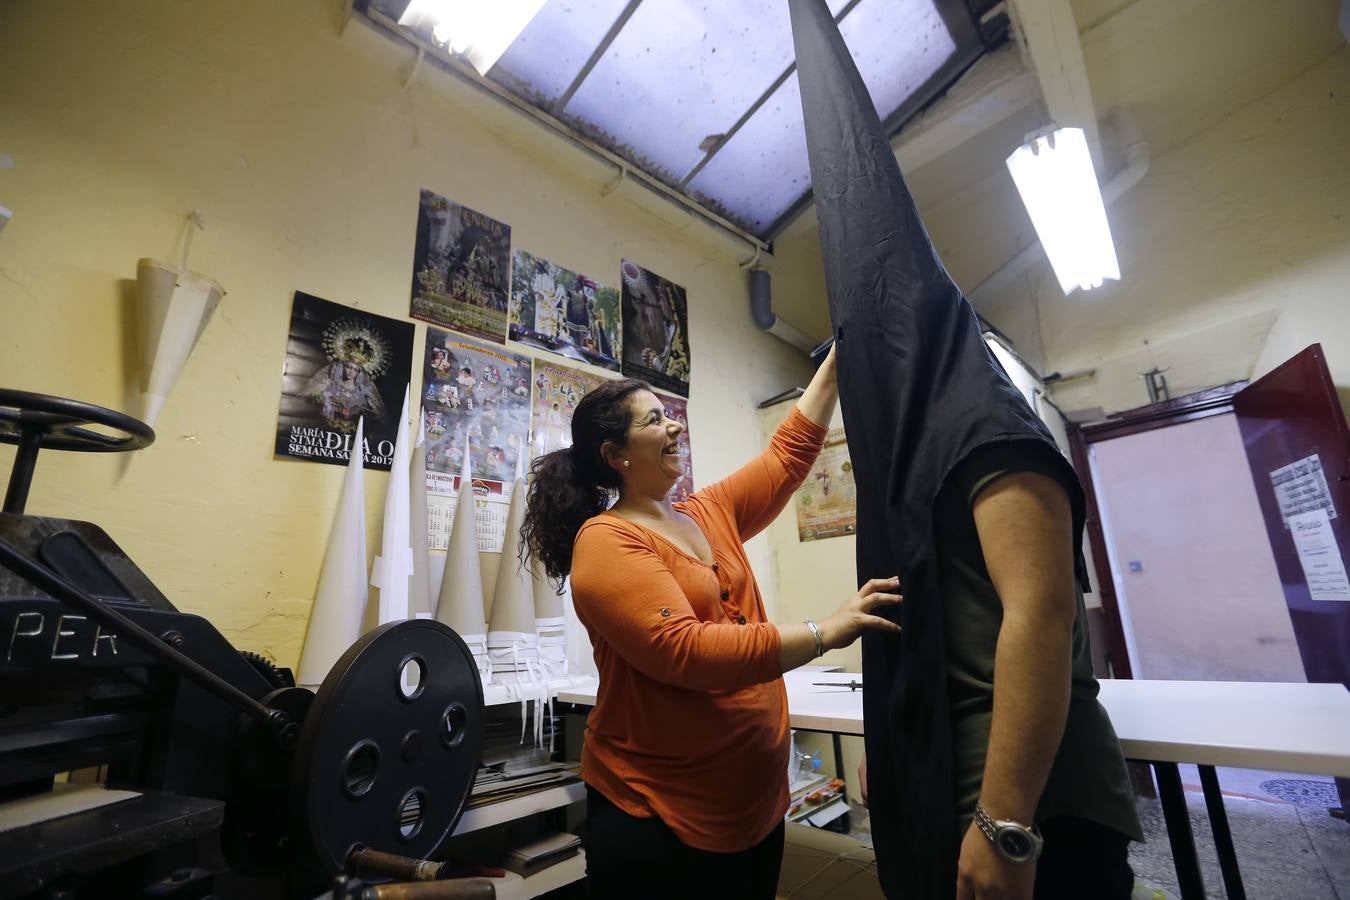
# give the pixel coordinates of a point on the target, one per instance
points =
(1015, 842)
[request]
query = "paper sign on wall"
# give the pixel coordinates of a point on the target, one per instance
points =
(1301, 487)
(1320, 555)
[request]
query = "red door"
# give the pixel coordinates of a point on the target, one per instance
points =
(1294, 431)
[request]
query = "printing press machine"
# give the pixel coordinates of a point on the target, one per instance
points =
(217, 776)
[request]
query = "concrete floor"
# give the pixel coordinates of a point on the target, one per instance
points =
(1285, 852)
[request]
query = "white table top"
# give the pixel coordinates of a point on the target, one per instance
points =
(1247, 725)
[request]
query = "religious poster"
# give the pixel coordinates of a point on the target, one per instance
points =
(461, 268)
(677, 408)
(342, 364)
(655, 330)
(557, 391)
(478, 394)
(827, 502)
(556, 309)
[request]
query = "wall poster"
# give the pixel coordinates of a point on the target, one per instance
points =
(461, 268)
(557, 391)
(1301, 487)
(341, 364)
(677, 408)
(556, 309)
(480, 394)
(1320, 556)
(655, 330)
(827, 502)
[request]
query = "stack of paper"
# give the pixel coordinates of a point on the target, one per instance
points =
(495, 783)
(540, 854)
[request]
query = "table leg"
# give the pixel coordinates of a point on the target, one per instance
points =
(1179, 831)
(1223, 837)
(838, 756)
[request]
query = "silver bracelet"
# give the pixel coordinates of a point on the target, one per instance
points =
(815, 633)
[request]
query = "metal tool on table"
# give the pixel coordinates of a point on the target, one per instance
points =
(208, 751)
(853, 685)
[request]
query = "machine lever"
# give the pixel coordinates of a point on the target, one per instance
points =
(45, 579)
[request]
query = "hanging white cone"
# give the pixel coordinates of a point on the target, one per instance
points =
(173, 308)
(420, 602)
(340, 600)
(392, 571)
(460, 602)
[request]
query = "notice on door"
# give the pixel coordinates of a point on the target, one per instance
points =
(1301, 487)
(1323, 566)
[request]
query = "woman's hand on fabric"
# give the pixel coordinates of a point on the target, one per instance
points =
(857, 615)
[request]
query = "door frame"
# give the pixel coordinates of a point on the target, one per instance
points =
(1215, 401)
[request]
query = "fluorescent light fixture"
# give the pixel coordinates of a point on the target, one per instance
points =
(478, 29)
(1054, 175)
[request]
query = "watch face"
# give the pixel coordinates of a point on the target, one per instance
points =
(1014, 844)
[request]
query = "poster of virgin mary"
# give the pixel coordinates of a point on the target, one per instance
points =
(342, 365)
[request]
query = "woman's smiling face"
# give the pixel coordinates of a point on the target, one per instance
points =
(653, 452)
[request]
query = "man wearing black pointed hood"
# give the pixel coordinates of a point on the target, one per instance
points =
(994, 772)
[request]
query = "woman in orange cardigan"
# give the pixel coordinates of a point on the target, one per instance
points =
(686, 751)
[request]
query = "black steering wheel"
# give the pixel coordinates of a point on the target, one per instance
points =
(34, 421)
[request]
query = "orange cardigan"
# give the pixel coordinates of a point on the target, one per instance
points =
(690, 720)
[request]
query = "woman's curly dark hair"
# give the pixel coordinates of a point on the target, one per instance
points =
(571, 485)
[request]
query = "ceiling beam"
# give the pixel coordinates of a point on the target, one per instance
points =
(1049, 37)
(993, 89)
(561, 103)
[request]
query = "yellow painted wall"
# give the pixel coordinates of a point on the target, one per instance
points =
(306, 156)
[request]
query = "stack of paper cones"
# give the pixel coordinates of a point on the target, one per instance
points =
(392, 571)
(340, 601)
(513, 644)
(420, 602)
(174, 308)
(460, 604)
(580, 653)
(549, 622)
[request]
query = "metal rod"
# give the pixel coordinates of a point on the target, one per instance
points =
(561, 103)
(1223, 836)
(1179, 833)
(45, 579)
(21, 474)
(402, 868)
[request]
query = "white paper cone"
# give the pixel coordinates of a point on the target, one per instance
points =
(460, 603)
(513, 642)
(173, 309)
(340, 600)
(580, 653)
(392, 572)
(420, 603)
(548, 603)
